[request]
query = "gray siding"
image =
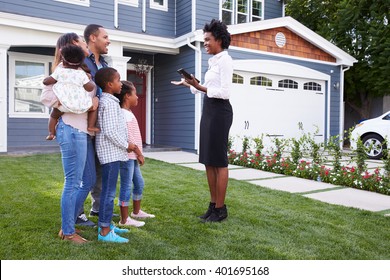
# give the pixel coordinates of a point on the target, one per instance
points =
(174, 107)
(183, 17)
(205, 12)
(273, 9)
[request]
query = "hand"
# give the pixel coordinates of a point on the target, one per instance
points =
(192, 82)
(141, 160)
(131, 147)
(181, 82)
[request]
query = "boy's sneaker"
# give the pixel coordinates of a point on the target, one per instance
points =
(132, 223)
(116, 229)
(82, 220)
(112, 237)
(141, 215)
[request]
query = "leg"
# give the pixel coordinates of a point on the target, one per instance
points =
(73, 145)
(53, 120)
(125, 189)
(97, 189)
(218, 181)
(89, 180)
(92, 117)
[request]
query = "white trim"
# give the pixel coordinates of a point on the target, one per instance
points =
(13, 57)
(156, 6)
(283, 56)
(133, 3)
(148, 109)
(193, 16)
(76, 2)
(3, 97)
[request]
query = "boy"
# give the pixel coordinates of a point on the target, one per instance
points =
(112, 147)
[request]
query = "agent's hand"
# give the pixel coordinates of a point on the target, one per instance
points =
(182, 82)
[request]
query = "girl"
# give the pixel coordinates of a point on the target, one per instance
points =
(130, 170)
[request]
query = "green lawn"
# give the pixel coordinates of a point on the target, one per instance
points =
(262, 223)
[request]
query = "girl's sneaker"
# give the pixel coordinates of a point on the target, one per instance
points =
(112, 237)
(132, 223)
(141, 215)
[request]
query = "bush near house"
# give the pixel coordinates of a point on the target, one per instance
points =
(309, 160)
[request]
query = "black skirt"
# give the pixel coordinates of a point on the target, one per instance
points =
(217, 118)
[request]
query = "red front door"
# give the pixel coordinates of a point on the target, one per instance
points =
(139, 111)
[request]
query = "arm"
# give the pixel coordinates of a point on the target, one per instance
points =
(49, 81)
(90, 86)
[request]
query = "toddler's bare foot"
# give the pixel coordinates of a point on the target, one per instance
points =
(50, 137)
(93, 129)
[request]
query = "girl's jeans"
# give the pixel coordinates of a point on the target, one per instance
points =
(74, 146)
(131, 178)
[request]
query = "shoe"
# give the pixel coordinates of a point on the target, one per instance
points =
(142, 215)
(93, 214)
(208, 212)
(74, 238)
(82, 220)
(132, 223)
(112, 237)
(116, 229)
(96, 214)
(218, 215)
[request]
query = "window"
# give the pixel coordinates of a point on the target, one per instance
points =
(159, 5)
(25, 81)
(288, 84)
(241, 11)
(133, 3)
(76, 2)
(261, 81)
(312, 86)
(237, 79)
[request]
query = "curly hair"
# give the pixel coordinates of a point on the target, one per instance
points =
(104, 76)
(127, 88)
(219, 31)
(73, 55)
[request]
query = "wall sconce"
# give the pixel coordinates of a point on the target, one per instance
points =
(336, 85)
(142, 66)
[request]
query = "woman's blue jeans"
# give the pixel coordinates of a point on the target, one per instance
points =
(79, 173)
(131, 182)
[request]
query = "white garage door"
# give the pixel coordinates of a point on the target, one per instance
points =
(277, 106)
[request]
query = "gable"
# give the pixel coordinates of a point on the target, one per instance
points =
(264, 40)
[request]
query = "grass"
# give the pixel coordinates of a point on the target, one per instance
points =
(262, 224)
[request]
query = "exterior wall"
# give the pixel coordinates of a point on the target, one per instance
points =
(273, 9)
(174, 107)
(183, 17)
(295, 45)
(205, 11)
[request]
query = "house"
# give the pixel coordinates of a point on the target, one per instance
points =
(284, 74)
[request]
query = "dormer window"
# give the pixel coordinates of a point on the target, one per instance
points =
(241, 11)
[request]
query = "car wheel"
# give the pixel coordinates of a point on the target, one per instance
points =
(374, 146)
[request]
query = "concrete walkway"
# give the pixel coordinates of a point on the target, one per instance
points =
(317, 190)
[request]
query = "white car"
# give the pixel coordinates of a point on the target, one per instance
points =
(373, 133)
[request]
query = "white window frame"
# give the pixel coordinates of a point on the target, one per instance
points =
(13, 57)
(156, 6)
(133, 3)
(76, 2)
(235, 10)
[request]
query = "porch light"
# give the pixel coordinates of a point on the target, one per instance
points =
(141, 67)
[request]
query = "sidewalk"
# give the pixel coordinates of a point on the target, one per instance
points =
(332, 194)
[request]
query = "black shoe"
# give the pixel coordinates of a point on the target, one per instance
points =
(208, 212)
(218, 215)
(93, 214)
(82, 220)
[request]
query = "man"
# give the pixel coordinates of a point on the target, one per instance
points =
(97, 40)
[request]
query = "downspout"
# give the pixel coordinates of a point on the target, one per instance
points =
(116, 24)
(342, 106)
(193, 21)
(144, 16)
(198, 97)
